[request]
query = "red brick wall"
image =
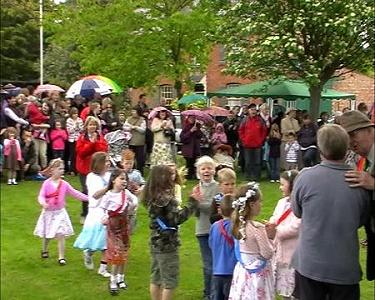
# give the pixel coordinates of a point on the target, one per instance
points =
(215, 78)
(358, 84)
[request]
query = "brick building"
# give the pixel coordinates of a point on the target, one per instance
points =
(360, 85)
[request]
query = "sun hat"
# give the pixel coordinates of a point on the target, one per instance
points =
(353, 120)
(223, 147)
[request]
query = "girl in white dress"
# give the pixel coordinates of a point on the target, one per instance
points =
(93, 235)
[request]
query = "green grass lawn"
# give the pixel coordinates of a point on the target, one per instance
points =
(24, 275)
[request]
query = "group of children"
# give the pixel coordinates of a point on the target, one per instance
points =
(241, 257)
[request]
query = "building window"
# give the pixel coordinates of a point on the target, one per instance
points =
(290, 104)
(167, 92)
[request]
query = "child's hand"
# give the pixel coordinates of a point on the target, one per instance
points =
(271, 230)
(196, 193)
(104, 220)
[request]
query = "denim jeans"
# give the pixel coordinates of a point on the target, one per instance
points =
(207, 263)
(275, 167)
(253, 163)
(220, 287)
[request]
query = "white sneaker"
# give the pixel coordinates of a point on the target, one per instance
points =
(9, 181)
(113, 288)
(14, 182)
(103, 271)
(121, 282)
(87, 260)
(272, 181)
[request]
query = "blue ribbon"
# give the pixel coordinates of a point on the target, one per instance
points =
(164, 227)
(239, 259)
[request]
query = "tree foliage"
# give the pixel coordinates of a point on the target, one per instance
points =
(136, 42)
(59, 67)
(311, 39)
(19, 39)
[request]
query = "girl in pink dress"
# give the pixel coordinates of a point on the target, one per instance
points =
(54, 221)
(12, 155)
(284, 227)
(252, 276)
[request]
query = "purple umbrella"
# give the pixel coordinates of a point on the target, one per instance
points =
(199, 115)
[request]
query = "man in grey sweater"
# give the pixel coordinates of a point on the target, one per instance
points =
(327, 255)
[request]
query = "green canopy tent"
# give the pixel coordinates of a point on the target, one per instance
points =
(289, 90)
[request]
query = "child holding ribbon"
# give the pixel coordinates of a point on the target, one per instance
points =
(165, 217)
(54, 221)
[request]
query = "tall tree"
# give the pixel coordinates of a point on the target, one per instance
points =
(19, 39)
(59, 67)
(136, 42)
(314, 40)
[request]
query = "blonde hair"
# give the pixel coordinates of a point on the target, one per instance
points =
(54, 163)
(204, 160)
(10, 130)
(226, 174)
(91, 119)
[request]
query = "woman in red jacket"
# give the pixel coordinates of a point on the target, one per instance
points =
(89, 142)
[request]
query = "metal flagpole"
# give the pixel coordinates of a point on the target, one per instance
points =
(41, 39)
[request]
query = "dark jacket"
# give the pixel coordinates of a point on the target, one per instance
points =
(307, 135)
(190, 141)
(172, 216)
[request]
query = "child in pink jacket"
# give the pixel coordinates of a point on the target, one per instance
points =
(284, 226)
(58, 138)
(54, 221)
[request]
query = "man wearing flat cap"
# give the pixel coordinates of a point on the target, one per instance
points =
(361, 133)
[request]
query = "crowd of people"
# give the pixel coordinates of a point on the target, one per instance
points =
(307, 249)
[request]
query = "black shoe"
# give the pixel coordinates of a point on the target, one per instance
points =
(44, 254)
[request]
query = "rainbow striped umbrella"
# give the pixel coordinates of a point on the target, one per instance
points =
(115, 87)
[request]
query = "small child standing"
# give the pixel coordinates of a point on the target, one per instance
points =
(118, 203)
(165, 217)
(284, 227)
(58, 138)
(12, 155)
(219, 136)
(54, 221)
(222, 248)
(274, 142)
(227, 185)
(136, 181)
(135, 178)
(252, 276)
(74, 126)
(291, 152)
(204, 192)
